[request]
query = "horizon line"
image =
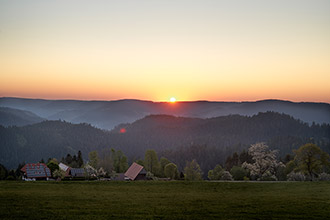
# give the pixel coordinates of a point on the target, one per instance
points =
(144, 100)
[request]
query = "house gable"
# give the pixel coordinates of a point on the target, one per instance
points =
(134, 170)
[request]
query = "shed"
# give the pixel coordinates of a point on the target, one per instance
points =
(136, 172)
(64, 168)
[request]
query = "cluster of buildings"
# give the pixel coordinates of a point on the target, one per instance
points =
(40, 171)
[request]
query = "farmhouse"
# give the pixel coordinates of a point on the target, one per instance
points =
(36, 171)
(77, 172)
(135, 172)
(72, 172)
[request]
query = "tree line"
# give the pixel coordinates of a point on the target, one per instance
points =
(259, 163)
(308, 162)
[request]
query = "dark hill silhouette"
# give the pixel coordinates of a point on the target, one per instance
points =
(161, 132)
(180, 139)
(108, 114)
(48, 139)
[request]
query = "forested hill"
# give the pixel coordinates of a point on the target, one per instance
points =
(47, 139)
(213, 139)
(180, 139)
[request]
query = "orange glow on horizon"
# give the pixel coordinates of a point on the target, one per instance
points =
(126, 50)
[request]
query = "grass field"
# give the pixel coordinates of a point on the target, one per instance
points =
(164, 200)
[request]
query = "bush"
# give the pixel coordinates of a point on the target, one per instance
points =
(192, 171)
(296, 176)
(59, 174)
(151, 176)
(267, 176)
(53, 165)
(226, 176)
(3, 172)
(216, 173)
(238, 173)
(324, 177)
(10, 178)
(171, 171)
(281, 173)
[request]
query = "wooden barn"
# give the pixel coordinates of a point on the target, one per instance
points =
(136, 172)
(36, 171)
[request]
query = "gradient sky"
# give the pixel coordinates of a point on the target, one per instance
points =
(153, 50)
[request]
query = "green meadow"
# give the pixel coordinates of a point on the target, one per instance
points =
(164, 200)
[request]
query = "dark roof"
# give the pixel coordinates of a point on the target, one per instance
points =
(133, 171)
(78, 172)
(119, 177)
(36, 170)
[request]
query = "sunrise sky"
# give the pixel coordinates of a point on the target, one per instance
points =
(153, 50)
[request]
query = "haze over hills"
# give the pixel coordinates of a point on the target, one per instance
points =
(209, 141)
(108, 114)
(202, 130)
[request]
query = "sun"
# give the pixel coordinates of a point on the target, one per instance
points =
(172, 99)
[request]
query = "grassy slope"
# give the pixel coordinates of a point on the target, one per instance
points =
(164, 200)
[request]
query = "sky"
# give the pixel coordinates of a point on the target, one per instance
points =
(217, 50)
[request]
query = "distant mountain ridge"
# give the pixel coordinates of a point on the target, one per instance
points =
(108, 114)
(11, 117)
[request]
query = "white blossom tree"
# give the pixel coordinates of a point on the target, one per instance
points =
(265, 163)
